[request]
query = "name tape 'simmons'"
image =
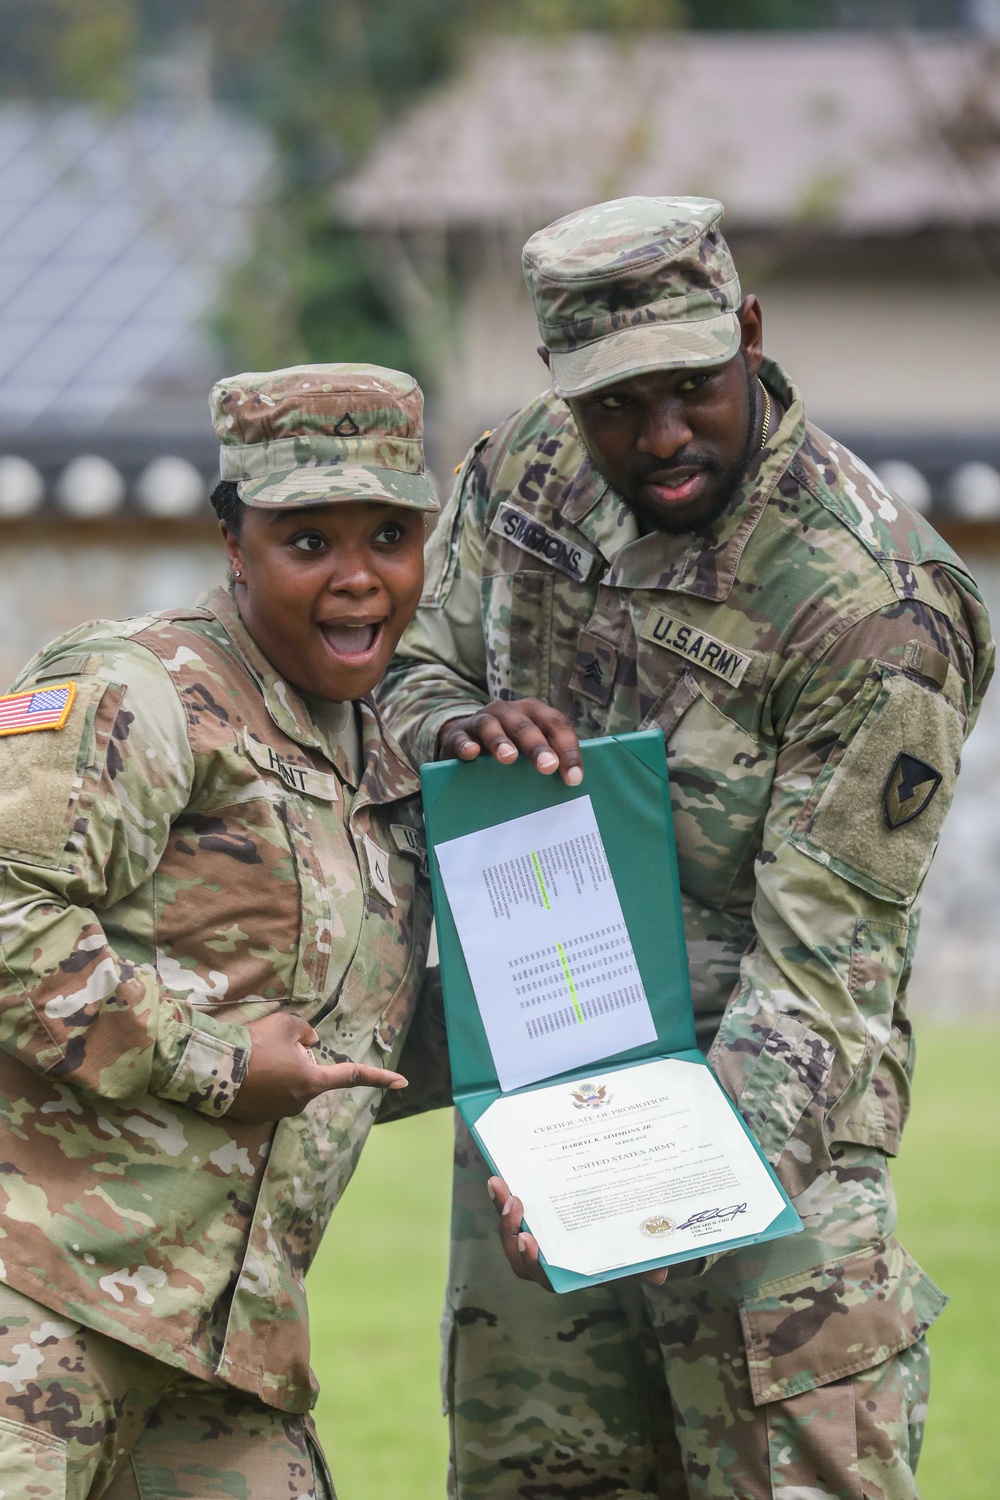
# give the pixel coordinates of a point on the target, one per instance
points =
(562, 552)
(697, 645)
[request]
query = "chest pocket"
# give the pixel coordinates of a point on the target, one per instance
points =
(720, 762)
(517, 616)
(531, 621)
(242, 908)
(538, 582)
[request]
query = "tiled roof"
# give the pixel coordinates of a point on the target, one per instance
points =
(114, 232)
(864, 133)
(953, 479)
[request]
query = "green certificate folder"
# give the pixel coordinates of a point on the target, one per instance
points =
(625, 777)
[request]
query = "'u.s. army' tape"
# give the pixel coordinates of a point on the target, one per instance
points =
(715, 656)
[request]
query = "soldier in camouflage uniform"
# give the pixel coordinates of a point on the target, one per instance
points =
(213, 931)
(664, 539)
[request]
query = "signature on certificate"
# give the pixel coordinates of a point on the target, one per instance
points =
(714, 1216)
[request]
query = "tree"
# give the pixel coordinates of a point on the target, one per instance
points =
(326, 76)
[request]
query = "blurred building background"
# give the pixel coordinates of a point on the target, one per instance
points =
(353, 179)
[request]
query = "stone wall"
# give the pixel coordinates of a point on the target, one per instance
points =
(958, 956)
(47, 587)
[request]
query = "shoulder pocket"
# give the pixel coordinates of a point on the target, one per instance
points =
(47, 775)
(875, 817)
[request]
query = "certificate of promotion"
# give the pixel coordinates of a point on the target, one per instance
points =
(630, 1164)
(571, 1032)
(542, 929)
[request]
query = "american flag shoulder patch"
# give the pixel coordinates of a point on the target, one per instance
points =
(38, 708)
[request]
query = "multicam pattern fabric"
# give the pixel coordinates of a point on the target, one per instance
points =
(630, 285)
(83, 1415)
(323, 432)
(790, 1371)
(790, 654)
(176, 862)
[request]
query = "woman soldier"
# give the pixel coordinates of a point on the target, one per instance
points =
(212, 938)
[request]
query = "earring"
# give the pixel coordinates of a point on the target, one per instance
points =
(237, 573)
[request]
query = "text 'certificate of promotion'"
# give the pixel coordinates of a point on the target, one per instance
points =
(544, 938)
(632, 1165)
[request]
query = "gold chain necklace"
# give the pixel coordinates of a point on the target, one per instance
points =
(767, 414)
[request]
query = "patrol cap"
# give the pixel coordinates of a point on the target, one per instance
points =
(633, 285)
(315, 434)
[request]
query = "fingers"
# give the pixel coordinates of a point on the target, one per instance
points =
(520, 1247)
(657, 1277)
(463, 738)
(455, 743)
(523, 727)
(548, 737)
(354, 1076)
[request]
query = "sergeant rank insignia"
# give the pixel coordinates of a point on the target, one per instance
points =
(908, 789)
(41, 708)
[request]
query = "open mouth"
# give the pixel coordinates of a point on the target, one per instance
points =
(355, 641)
(679, 490)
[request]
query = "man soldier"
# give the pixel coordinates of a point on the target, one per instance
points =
(664, 539)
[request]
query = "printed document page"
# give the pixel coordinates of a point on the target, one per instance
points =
(543, 935)
(634, 1164)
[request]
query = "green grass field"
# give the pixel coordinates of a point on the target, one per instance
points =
(376, 1290)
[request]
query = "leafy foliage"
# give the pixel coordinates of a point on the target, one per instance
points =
(326, 76)
(77, 49)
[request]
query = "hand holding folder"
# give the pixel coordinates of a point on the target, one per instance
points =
(569, 1015)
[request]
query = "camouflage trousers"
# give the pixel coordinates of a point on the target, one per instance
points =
(82, 1416)
(796, 1370)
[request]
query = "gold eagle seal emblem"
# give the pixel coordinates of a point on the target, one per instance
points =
(657, 1225)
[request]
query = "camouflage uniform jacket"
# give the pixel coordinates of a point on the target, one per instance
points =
(189, 853)
(819, 631)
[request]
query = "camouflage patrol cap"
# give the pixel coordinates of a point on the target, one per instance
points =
(315, 434)
(632, 285)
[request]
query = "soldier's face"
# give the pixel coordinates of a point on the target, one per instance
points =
(326, 591)
(675, 444)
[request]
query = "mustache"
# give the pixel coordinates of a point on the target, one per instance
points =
(654, 469)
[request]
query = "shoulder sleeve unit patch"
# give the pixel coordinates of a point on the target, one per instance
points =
(909, 788)
(37, 708)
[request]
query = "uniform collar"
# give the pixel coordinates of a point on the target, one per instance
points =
(703, 565)
(386, 776)
(590, 503)
(283, 703)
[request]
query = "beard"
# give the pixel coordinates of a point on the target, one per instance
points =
(729, 480)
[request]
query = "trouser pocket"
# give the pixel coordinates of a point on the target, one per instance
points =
(852, 1439)
(847, 1315)
(323, 1486)
(839, 1370)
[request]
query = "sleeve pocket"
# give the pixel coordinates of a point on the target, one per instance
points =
(876, 816)
(43, 774)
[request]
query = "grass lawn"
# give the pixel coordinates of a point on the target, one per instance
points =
(376, 1289)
